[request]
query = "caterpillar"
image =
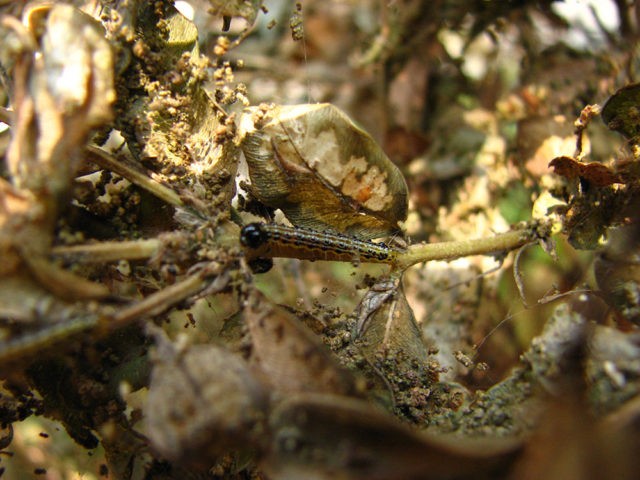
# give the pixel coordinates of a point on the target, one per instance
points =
(263, 241)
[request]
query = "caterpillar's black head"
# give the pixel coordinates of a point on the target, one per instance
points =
(253, 235)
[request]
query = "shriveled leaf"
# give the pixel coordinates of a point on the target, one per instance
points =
(202, 401)
(67, 85)
(595, 173)
(386, 321)
(79, 64)
(621, 112)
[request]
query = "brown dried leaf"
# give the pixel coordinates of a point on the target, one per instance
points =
(386, 321)
(67, 86)
(329, 437)
(595, 173)
(288, 356)
(202, 401)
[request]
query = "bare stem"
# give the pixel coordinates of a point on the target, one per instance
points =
(167, 297)
(108, 251)
(502, 242)
(211, 280)
(141, 179)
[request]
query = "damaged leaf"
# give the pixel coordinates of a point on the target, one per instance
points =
(66, 84)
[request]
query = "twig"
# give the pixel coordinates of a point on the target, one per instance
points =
(160, 301)
(103, 323)
(502, 242)
(108, 251)
(141, 179)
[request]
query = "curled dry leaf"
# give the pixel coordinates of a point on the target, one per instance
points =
(403, 373)
(79, 64)
(595, 173)
(202, 401)
(328, 437)
(386, 321)
(313, 163)
(67, 85)
(288, 356)
(592, 211)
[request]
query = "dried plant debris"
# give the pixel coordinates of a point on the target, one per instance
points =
(617, 272)
(288, 356)
(185, 135)
(595, 173)
(370, 445)
(42, 162)
(195, 284)
(219, 405)
(246, 9)
(620, 113)
(599, 196)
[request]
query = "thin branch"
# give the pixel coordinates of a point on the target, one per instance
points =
(104, 322)
(141, 179)
(164, 299)
(108, 251)
(502, 242)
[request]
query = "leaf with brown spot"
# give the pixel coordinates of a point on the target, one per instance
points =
(322, 171)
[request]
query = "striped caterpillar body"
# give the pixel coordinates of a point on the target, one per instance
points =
(263, 241)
